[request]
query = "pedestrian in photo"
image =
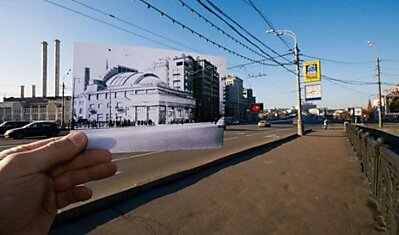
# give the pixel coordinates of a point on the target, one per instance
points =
(325, 124)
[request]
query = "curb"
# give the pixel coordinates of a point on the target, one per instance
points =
(87, 208)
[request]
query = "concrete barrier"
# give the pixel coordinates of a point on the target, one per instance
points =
(378, 154)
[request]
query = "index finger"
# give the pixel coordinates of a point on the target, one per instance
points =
(26, 147)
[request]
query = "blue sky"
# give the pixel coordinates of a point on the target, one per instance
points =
(328, 29)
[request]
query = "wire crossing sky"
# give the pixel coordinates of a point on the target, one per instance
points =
(335, 31)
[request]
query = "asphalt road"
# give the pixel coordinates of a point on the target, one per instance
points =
(139, 168)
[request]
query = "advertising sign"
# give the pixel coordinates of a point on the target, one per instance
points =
(313, 92)
(358, 112)
(392, 104)
(311, 71)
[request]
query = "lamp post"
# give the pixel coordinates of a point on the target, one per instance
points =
(373, 45)
(300, 129)
(63, 99)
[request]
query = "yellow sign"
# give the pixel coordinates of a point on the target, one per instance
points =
(311, 71)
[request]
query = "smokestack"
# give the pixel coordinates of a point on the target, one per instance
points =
(57, 67)
(44, 69)
(87, 77)
(33, 91)
(22, 91)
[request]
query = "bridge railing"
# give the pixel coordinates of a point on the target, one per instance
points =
(377, 152)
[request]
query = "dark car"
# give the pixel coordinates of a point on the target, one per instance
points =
(8, 125)
(49, 129)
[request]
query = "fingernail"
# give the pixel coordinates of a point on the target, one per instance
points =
(77, 137)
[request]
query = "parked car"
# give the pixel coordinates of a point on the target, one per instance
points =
(8, 125)
(41, 128)
(263, 123)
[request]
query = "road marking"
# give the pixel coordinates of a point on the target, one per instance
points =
(118, 172)
(232, 138)
(9, 146)
(134, 156)
(241, 133)
(271, 136)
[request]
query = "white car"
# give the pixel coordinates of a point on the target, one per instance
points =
(263, 123)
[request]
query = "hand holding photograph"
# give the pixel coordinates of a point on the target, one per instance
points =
(131, 99)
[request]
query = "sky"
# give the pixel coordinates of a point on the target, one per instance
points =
(335, 31)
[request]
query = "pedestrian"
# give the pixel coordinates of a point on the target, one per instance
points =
(39, 178)
(325, 124)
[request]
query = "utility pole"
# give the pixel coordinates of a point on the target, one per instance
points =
(374, 45)
(63, 105)
(380, 124)
(298, 86)
(300, 129)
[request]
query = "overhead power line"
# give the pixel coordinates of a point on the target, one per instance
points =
(109, 24)
(242, 28)
(243, 65)
(113, 16)
(268, 22)
(184, 4)
(337, 61)
(201, 36)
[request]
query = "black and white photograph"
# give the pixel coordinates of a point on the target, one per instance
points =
(131, 99)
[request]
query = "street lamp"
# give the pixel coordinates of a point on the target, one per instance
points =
(63, 99)
(291, 34)
(373, 45)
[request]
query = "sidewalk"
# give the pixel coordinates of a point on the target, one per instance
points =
(311, 185)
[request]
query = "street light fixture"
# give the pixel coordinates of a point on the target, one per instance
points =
(373, 45)
(300, 129)
(63, 99)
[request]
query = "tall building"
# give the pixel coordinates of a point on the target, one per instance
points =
(235, 105)
(249, 100)
(201, 78)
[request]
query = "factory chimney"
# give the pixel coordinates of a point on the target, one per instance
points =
(57, 67)
(44, 69)
(33, 91)
(22, 91)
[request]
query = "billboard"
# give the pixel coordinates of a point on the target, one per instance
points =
(312, 92)
(311, 71)
(130, 99)
(392, 104)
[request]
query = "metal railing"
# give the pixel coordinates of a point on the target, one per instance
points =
(377, 152)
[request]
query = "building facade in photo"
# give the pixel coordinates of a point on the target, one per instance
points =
(135, 97)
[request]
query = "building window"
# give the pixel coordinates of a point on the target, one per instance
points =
(179, 63)
(106, 95)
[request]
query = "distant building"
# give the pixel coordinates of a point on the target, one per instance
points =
(235, 105)
(249, 100)
(35, 109)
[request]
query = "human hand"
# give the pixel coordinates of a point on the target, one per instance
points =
(39, 178)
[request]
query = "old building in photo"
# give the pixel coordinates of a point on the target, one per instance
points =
(132, 96)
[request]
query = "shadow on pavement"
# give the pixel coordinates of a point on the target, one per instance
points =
(85, 223)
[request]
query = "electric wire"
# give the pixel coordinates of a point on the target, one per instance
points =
(268, 22)
(241, 27)
(109, 24)
(201, 36)
(113, 16)
(337, 61)
(184, 4)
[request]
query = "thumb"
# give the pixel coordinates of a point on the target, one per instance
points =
(59, 151)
